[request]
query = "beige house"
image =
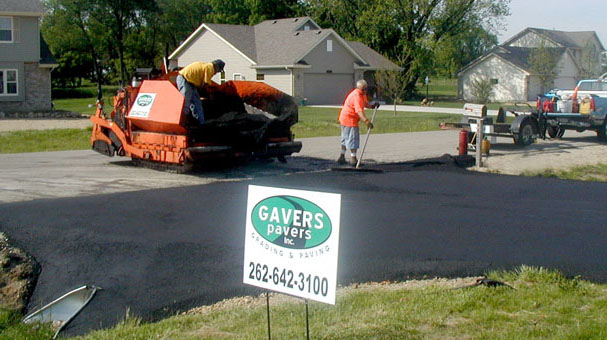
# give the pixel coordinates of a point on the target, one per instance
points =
(25, 59)
(507, 66)
(295, 55)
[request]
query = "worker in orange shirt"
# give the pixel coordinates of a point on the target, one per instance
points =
(190, 79)
(351, 113)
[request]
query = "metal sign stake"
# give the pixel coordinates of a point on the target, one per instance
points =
(268, 311)
(307, 322)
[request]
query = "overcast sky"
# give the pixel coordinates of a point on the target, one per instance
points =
(561, 15)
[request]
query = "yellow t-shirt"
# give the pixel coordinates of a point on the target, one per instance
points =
(198, 73)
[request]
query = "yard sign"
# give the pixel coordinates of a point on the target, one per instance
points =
(291, 244)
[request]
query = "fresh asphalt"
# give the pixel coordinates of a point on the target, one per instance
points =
(156, 252)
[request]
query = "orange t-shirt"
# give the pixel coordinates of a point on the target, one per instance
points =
(356, 101)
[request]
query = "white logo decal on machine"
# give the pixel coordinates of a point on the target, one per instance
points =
(142, 106)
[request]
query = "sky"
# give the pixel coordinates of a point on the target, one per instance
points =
(561, 15)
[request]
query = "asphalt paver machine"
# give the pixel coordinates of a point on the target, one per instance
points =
(243, 119)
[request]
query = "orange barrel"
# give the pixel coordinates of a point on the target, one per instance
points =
(463, 142)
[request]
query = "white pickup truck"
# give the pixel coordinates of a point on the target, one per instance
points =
(597, 87)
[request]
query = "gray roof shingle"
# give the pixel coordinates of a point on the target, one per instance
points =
(576, 40)
(282, 42)
(21, 6)
(242, 37)
(373, 58)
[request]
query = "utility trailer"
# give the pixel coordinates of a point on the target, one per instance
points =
(531, 122)
(523, 129)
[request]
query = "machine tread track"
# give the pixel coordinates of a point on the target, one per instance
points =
(166, 167)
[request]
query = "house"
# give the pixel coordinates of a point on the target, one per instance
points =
(508, 68)
(25, 59)
(294, 55)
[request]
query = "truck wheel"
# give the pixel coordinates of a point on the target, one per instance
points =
(601, 132)
(525, 134)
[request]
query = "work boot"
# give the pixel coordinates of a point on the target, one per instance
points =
(353, 161)
(341, 160)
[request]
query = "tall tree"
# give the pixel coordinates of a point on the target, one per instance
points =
(178, 19)
(120, 16)
(73, 34)
(273, 9)
(408, 28)
(544, 63)
(590, 62)
(456, 51)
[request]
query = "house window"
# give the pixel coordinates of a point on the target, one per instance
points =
(237, 76)
(6, 29)
(260, 76)
(223, 77)
(494, 81)
(306, 28)
(329, 45)
(8, 83)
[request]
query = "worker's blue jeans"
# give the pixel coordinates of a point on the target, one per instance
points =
(192, 103)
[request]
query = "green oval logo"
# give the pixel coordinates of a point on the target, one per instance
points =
(291, 222)
(144, 100)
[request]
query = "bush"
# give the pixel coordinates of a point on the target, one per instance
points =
(74, 92)
(482, 90)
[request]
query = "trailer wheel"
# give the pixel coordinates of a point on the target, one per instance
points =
(555, 131)
(525, 134)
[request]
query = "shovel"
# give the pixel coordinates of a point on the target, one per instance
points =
(366, 140)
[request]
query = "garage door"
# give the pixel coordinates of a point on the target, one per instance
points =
(327, 88)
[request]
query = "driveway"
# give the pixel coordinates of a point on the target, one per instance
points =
(159, 251)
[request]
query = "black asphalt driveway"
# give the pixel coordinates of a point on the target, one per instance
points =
(159, 251)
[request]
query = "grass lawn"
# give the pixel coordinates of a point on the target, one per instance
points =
(317, 122)
(313, 122)
(82, 105)
(592, 173)
(44, 140)
(542, 305)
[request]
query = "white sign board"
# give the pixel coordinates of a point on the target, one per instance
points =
(142, 106)
(291, 244)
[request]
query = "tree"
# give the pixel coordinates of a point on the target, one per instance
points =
(590, 62)
(454, 52)
(120, 16)
(389, 82)
(412, 28)
(74, 37)
(543, 62)
(177, 19)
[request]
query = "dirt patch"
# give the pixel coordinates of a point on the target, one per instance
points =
(18, 276)
(575, 149)
(251, 302)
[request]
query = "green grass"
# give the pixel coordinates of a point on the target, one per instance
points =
(11, 328)
(44, 140)
(593, 173)
(543, 305)
(313, 122)
(82, 105)
(317, 122)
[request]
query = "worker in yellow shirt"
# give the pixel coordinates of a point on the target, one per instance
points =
(194, 76)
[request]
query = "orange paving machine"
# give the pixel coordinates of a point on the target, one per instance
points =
(242, 119)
